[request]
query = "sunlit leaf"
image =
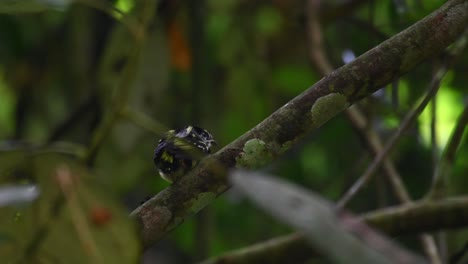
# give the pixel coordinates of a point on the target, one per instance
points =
(124, 5)
(449, 106)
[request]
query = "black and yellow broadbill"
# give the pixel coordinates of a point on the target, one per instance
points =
(181, 150)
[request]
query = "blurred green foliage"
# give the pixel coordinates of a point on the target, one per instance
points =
(52, 229)
(256, 59)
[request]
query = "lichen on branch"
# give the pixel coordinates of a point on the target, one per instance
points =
(348, 84)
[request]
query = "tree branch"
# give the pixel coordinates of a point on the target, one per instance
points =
(418, 217)
(303, 114)
(360, 124)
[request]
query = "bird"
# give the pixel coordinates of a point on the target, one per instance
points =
(180, 150)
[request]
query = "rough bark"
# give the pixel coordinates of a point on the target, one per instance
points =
(303, 114)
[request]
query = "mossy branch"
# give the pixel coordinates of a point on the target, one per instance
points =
(303, 114)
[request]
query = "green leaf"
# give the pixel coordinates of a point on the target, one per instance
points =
(268, 21)
(74, 220)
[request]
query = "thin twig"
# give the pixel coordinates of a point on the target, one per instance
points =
(433, 88)
(406, 123)
(428, 241)
(357, 119)
(375, 146)
(434, 145)
(67, 184)
(74, 118)
(409, 219)
(122, 91)
(446, 162)
(448, 158)
(144, 121)
(359, 122)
